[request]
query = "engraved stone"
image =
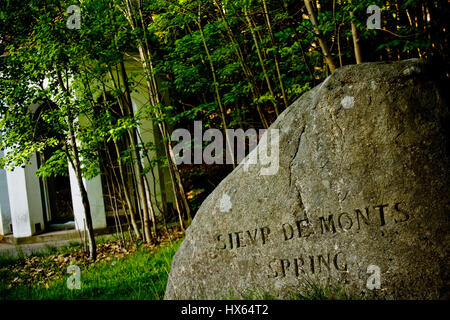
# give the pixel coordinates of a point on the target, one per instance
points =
(360, 200)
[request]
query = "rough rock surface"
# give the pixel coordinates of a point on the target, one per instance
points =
(362, 186)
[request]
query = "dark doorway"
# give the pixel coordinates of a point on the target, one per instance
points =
(54, 179)
(59, 200)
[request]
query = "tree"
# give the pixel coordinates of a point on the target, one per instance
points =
(42, 54)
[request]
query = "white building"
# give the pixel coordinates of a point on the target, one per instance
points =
(30, 205)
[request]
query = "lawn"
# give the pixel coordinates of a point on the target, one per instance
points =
(140, 273)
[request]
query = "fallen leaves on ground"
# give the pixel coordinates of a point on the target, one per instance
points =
(39, 270)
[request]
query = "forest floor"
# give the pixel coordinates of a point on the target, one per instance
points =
(121, 271)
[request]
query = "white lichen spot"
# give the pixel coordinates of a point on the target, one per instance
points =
(373, 85)
(348, 102)
(326, 183)
(225, 203)
(409, 71)
(279, 284)
(286, 129)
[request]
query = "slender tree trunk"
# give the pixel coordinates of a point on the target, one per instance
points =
(355, 39)
(412, 26)
(179, 193)
(261, 61)
(113, 204)
(133, 177)
(152, 209)
(322, 43)
(84, 195)
(145, 55)
(339, 45)
(142, 191)
(126, 194)
(216, 89)
(161, 210)
(145, 192)
(76, 165)
(247, 72)
(272, 39)
(126, 109)
(128, 201)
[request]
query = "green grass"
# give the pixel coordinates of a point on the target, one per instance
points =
(141, 275)
(309, 291)
(327, 291)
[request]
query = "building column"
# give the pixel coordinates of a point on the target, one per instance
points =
(5, 212)
(160, 179)
(25, 200)
(95, 195)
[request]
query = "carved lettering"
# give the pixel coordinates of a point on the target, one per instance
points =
(241, 239)
(265, 231)
(301, 226)
(359, 215)
(252, 238)
(304, 228)
(317, 264)
(230, 237)
(285, 264)
(311, 260)
(224, 245)
(336, 264)
(238, 240)
(381, 210)
(298, 264)
(327, 225)
(402, 213)
(324, 262)
(288, 231)
(273, 269)
(348, 222)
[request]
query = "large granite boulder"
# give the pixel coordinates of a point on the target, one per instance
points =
(360, 200)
